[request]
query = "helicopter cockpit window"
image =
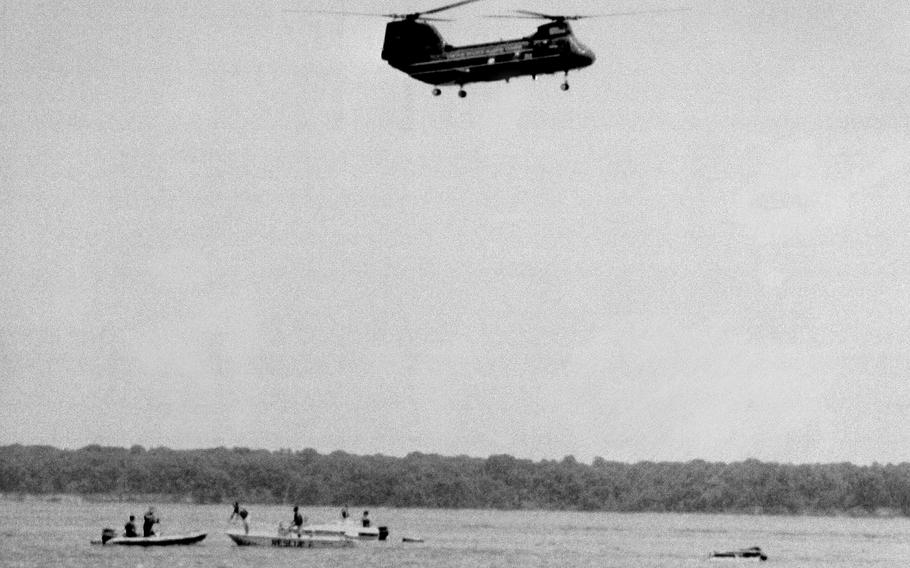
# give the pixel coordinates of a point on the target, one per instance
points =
(555, 30)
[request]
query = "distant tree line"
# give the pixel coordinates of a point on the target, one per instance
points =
(427, 480)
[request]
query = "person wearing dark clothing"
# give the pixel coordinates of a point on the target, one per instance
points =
(366, 519)
(344, 513)
(298, 519)
(148, 521)
(242, 514)
(129, 529)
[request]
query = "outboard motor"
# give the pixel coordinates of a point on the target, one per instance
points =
(107, 534)
(383, 533)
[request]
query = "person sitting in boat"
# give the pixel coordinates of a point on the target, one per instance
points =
(298, 521)
(129, 529)
(242, 514)
(148, 521)
(365, 520)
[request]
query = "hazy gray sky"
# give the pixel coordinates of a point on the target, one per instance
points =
(228, 224)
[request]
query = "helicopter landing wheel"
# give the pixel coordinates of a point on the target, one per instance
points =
(462, 93)
(437, 91)
(564, 86)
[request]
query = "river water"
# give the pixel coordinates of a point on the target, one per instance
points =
(37, 533)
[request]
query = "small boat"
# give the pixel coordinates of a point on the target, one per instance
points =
(290, 540)
(753, 552)
(411, 539)
(109, 537)
(349, 529)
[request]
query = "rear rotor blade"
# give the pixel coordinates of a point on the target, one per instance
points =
(513, 17)
(635, 13)
(528, 14)
(540, 15)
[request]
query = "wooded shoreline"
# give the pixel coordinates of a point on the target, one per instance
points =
(307, 478)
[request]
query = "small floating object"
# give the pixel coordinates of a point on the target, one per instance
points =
(411, 539)
(753, 552)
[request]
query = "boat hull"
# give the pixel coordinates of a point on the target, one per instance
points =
(290, 540)
(754, 553)
(161, 540)
(349, 530)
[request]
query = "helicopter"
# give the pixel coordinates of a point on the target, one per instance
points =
(415, 47)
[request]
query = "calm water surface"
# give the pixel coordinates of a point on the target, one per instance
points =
(57, 534)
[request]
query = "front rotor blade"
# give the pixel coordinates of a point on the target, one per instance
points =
(447, 7)
(335, 13)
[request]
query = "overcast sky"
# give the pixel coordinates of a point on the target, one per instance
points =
(224, 223)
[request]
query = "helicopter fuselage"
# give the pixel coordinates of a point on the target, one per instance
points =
(418, 49)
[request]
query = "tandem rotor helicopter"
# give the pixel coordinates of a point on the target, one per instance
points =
(417, 48)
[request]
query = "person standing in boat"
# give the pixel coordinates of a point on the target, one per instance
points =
(129, 529)
(344, 513)
(298, 521)
(149, 521)
(365, 520)
(242, 514)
